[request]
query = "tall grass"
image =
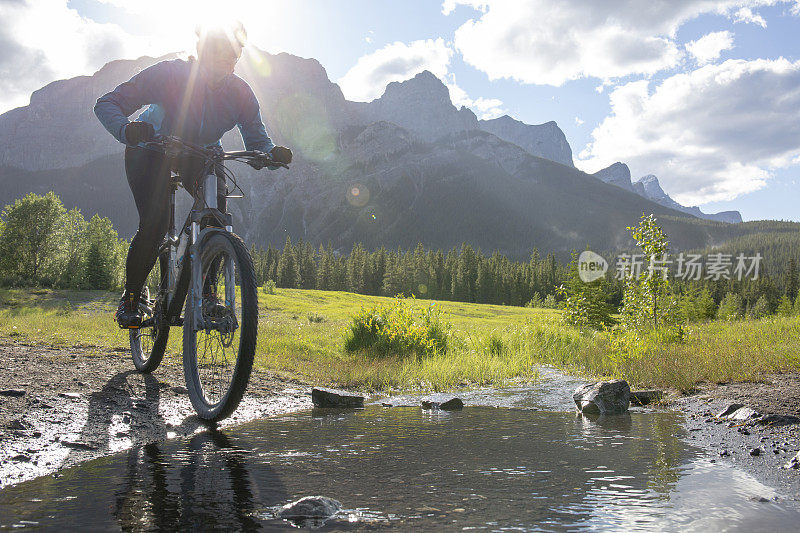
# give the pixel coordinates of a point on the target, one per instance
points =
(487, 345)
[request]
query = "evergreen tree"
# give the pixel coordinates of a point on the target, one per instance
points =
(731, 307)
(784, 307)
(288, 269)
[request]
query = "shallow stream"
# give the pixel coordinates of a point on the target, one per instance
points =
(511, 460)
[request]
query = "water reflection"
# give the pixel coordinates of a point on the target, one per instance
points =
(403, 469)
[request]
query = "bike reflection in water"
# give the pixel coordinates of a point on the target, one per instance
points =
(204, 486)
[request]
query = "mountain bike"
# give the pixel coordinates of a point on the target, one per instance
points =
(206, 271)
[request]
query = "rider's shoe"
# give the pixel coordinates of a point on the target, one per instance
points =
(212, 306)
(128, 315)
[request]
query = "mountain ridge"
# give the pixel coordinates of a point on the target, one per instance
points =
(429, 172)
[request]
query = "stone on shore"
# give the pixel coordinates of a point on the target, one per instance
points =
(645, 397)
(322, 397)
(744, 413)
(12, 393)
(794, 462)
(603, 397)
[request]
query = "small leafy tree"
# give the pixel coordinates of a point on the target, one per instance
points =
(101, 257)
(648, 301)
(32, 241)
(585, 304)
(73, 262)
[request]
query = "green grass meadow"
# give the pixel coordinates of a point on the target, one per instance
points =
(301, 336)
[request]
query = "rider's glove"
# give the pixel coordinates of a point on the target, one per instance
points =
(281, 154)
(139, 132)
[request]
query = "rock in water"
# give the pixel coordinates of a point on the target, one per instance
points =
(453, 404)
(335, 398)
(645, 397)
(603, 397)
(310, 511)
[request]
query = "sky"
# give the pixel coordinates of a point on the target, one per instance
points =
(704, 94)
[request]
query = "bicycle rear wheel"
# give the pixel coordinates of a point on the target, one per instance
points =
(218, 354)
(149, 342)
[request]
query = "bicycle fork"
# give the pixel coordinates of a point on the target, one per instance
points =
(197, 236)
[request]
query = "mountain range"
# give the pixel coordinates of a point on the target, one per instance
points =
(407, 167)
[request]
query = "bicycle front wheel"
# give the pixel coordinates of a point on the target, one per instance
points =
(218, 352)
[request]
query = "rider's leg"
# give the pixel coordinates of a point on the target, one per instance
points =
(148, 177)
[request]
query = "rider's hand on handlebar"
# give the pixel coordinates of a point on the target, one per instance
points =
(139, 132)
(281, 154)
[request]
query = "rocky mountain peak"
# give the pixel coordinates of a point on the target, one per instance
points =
(616, 174)
(421, 105)
(649, 187)
(542, 140)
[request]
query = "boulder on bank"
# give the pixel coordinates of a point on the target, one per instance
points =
(603, 397)
(646, 397)
(322, 397)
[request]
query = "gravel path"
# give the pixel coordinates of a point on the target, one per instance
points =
(59, 407)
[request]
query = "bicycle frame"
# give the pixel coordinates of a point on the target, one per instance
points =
(179, 281)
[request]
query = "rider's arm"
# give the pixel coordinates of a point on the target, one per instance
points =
(254, 134)
(146, 87)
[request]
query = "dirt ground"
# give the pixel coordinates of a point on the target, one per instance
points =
(762, 445)
(59, 407)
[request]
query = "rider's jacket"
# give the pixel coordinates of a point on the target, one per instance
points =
(181, 103)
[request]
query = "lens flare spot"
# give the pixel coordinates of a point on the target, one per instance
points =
(303, 121)
(357, 195)
(422, 288)
(256, 63)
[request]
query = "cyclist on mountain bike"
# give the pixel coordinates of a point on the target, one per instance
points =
(197, 100)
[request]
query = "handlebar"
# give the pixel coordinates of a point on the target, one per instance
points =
(176, 146)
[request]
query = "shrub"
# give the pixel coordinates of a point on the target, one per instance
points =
(550, 302)
(398, 328)
(314, 318)
(536, 301)
(269, 287)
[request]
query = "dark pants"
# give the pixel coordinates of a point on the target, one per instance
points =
(148, 175)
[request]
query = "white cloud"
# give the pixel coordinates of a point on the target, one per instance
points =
(711, 134)
(747, 16)
(46, 40)
(709, 47)
(484, 108)
(549, 42)
(448, 6)
(397, 61)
